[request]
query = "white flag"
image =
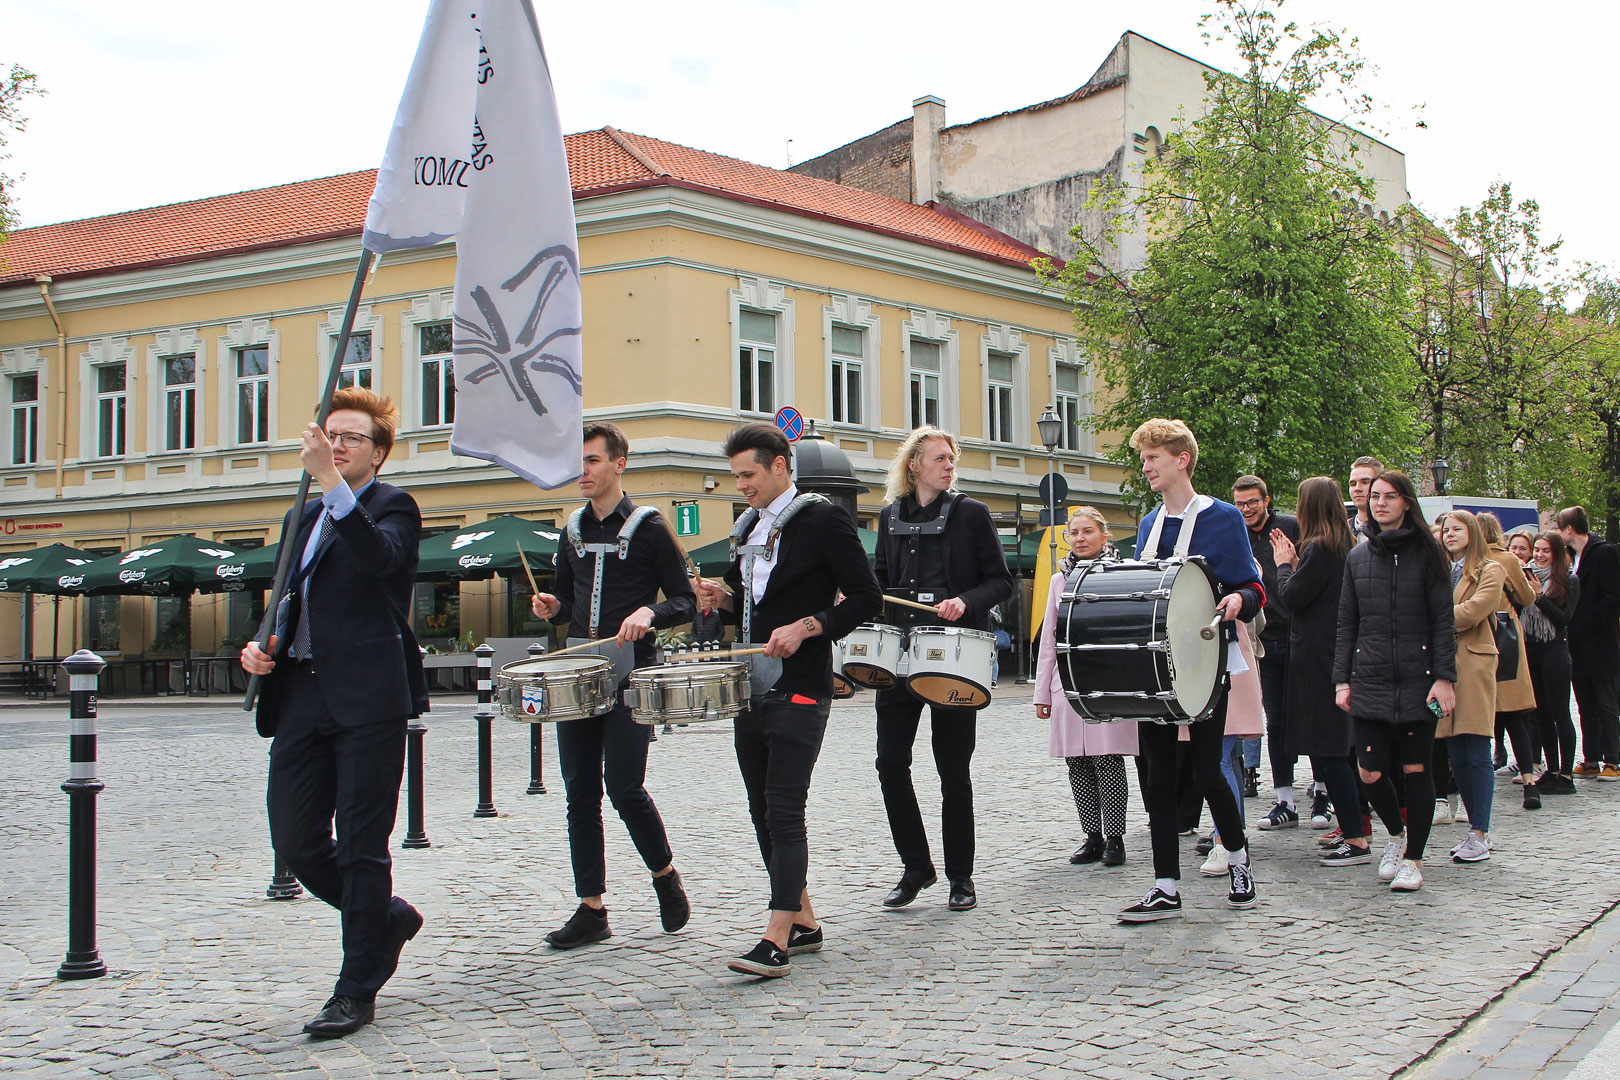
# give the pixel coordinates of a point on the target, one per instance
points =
(477, 153)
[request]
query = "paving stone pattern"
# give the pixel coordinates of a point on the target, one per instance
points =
(1329, 974)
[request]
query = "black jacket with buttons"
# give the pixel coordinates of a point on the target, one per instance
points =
(1396, 633)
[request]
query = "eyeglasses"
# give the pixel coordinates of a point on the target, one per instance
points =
(350, 439)
(1248, 504)
(1383, 496)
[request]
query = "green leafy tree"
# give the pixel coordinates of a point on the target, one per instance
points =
(14, 89)
(1593, 380)
(1266, 312)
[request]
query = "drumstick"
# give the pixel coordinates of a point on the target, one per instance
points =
(673, 535)
(582, 645)
(910, 603)
(689, 655)
(524, 559)
(1208, 632)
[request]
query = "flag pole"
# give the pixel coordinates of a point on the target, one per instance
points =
(289, 532)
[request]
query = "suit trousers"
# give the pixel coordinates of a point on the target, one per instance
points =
(954, 734)
(323, 774)
(1596, 699)
(1157, 765)
(778, 741)
(608, 750)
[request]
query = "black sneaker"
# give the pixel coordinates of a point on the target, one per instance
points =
(801, 940)
(1282, 816)
(1344, 854)
(1242, 894)
(588, 924)
(673, 907)
(1251, 783)
(1156, 905)
(764, 960)
(1205, 845)
(1321, 811)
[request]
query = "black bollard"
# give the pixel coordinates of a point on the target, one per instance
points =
(486, 736)
(537, 786)
(83, 959)
(283, 886)
(415, 818)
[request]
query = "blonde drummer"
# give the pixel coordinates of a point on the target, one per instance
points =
(611, 563)
(935, 546)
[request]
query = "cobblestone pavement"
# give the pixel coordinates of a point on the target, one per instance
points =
(1329, 974)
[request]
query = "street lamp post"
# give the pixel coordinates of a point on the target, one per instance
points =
(1051, 426)
(1441, 469)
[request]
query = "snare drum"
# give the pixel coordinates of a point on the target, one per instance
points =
(687, 693)
(872, 655)
(544, 689)
(842, 687)
(1129, 645)
(951, 666)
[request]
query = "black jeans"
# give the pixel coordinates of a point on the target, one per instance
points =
(954, 734)
(608, 750)
(1273, 683)
(1157, 766)
(778, 741)
(1549, 674)
(324, 774)
(1595, 697)
(1344, 791)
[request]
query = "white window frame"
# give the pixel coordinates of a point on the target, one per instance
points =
(758, 392)
(933, 327)
(856, 314)
(25, 361)
(244, 334)
(1004, 340)
(99, 353)
(366, 321)
(261, 402)
(352, 372)
(432, 308)
(1076, 438)
(920, 379)
(768, 298)
(166, 344)
(444, 391)
(25, 413)
(112, 440)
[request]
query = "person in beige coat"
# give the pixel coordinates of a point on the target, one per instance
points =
(1477, 584)
(1516, 697)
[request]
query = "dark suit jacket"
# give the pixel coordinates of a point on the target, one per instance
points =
(366, 658)
(1594, 633)
(818, 556)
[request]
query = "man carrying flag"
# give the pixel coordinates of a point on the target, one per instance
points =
(476, 153)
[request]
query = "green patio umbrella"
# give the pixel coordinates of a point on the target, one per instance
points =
(49, 569)
(712, 559)
(172, 567)
(489, 548)
(253, 568)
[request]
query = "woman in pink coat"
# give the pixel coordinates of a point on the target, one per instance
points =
(1094, 751)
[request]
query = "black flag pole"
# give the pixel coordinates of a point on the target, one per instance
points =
(289, 533)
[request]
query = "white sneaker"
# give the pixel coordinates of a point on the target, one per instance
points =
(1218, 862)
(1472, 849)
(1408, 879)
(1394, 852)
(1442, 812)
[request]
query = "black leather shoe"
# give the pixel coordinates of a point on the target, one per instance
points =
(403, 929)
(339, 1017)
(673, 907)
(910, 885)
(963, 898)
(586, 925)
(1114, 851)
(1088, 852)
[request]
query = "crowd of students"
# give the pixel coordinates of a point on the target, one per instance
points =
(1394, 652)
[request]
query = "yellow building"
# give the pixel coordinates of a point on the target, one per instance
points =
(156, 366)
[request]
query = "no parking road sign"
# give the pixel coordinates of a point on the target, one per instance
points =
(790, 422)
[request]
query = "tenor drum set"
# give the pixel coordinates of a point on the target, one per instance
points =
(551, 689)
(941, 665)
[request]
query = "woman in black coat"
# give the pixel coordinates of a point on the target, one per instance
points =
(1395, 663)
(1309, 580)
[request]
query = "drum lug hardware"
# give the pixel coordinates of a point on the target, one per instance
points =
(1154, 646)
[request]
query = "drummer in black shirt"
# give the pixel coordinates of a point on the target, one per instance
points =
(935, 546)
(611, 563)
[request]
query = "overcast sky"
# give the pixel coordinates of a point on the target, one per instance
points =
(159, 101)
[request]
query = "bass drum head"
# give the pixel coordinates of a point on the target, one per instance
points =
(1196, 665)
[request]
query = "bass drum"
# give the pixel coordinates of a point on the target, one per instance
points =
(1129, 641)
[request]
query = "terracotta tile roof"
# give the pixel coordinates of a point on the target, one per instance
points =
(600, 162)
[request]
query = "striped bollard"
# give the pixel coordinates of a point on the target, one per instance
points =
(83, 959)
(486, 737)
(537, 786)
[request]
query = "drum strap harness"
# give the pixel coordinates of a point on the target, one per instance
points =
(621, 545)
(1150, 550)
(750, 552)
(915, 530)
